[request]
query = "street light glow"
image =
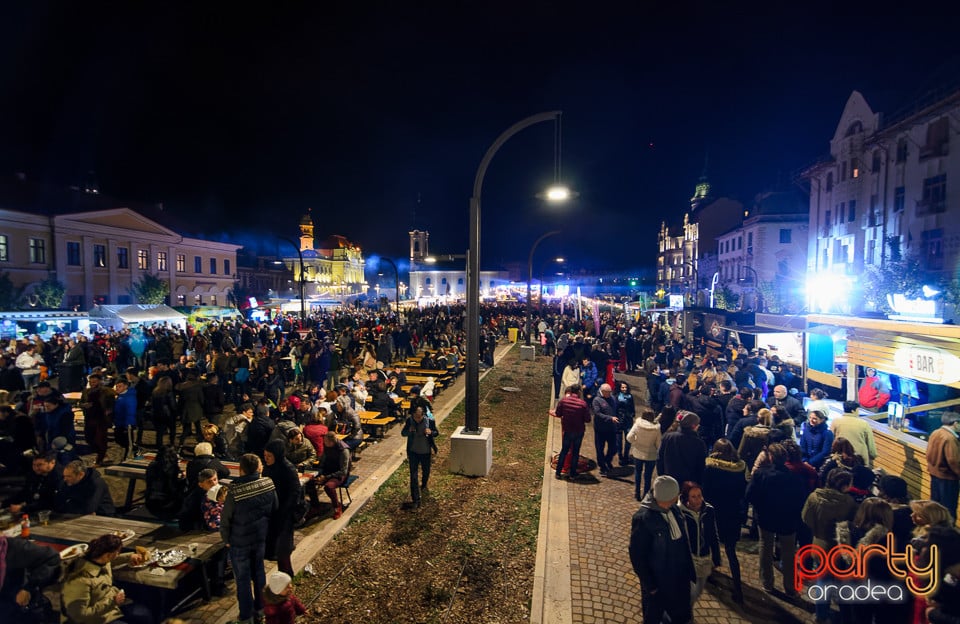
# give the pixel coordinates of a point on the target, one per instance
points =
(558, 193)
(430, 260)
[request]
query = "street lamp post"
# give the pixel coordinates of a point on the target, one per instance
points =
(696, 279)
(472, 394)
(303, 308)
(543, 268)
(396, 291)
(756, 287)
(530, 279)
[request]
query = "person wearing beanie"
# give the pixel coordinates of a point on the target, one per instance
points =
(682, 453)
(660, 554)
(280, 605)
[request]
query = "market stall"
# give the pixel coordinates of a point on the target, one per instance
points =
(137, 315)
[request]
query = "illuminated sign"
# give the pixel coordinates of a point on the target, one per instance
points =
(676, 301)
(927, 364)
(925, 310)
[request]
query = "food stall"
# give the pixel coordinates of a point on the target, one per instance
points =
(919, 363)
(137, 315)
(44, 323)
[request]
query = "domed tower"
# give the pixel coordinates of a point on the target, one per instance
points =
(419, 246)
(306, 232)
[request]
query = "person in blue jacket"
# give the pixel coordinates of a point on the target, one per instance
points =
(124, 415)
(816, 439)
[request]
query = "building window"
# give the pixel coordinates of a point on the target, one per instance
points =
(460, 281)
(181, 300)
(934, 195)
(4, 248)
(443, 280)
(841, 212)
(739, 242)
(161, 261)
(875, 163)
(100, 255)
(197, 264)
(902, 151)
(786, 235)
(181, 263)
(871, 251)
(826, 223)
(750, 243)
(213, 300)
(783, 266)
(197, 300)
(213, 266)
(938, 139)
(852, 210)
(123, 258)
(899, 198)
(932, 241)
(226, 267)
(427, 281)
(73, 253)
(843, 171)
(854, 167)
(38, 251)
(143, 259)
(829, 181)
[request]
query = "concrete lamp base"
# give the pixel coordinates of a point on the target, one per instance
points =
(471, 454)
(528, 352)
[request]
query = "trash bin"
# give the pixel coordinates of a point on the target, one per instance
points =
(513, 333)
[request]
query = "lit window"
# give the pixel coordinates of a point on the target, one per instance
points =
(4, 249)
(181, 263)
(143, 259)
(161, 261)
(99, 255)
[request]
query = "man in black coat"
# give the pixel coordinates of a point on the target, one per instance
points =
(787, 405)
(605, 423)
(735, 405)
(28, 568)
(40, 490)
(251, 501)
(84, 492)
(660, 554)
(682, 453)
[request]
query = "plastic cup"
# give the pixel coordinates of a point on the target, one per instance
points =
(44, 517)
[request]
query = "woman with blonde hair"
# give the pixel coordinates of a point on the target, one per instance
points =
(927, 513)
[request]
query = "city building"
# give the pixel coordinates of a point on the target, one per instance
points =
(444, 276)
(882, 194)
(680, 250)
(766, 253)
(99, 253)
(332, 268)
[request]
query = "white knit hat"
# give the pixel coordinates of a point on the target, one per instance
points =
(278, 581)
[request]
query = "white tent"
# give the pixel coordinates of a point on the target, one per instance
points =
(118, 316)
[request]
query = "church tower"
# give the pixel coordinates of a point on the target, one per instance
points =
(701, 192)
(306, 232)
(419, 246)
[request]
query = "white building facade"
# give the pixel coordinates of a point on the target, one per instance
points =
(888, 189)
(99, 255)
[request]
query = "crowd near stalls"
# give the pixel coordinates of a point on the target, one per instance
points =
(740, 452)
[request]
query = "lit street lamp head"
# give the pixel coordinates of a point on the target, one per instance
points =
(558, 193)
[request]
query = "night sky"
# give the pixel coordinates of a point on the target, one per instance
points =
(376, 117)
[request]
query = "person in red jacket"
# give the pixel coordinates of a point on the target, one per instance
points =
(280, 605)
(574, 416)
(874, 393)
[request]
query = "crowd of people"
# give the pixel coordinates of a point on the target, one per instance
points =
(733, 447)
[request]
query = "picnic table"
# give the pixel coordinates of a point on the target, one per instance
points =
(375, 421)
(200, 548)
(134, 469)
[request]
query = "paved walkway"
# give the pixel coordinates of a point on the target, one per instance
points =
(583, 572)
